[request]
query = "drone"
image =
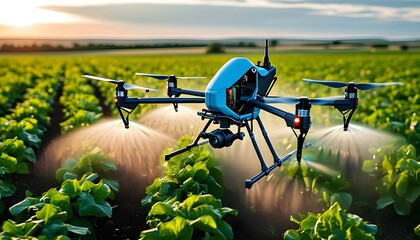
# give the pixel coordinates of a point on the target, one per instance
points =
(235, 97)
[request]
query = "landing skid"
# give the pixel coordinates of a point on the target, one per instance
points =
(216, 119)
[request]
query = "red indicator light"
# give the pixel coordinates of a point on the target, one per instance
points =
(297, 122)
(116, 100)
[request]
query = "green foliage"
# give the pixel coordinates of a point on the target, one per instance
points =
(92, 162)
(334, 223)
(185, 203)
(417, 230)
(14, 159)
(180, 220)
(331, 186)
(215, 48)
(80, 105)
(399, 171)
(58, 214)
(194, 172)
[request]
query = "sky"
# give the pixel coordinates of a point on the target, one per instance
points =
(210, 19)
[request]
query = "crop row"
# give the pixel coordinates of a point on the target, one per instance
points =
(80, 105)
(21, 131)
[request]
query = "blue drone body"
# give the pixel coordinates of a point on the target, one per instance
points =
(234, 84)
(235, 96)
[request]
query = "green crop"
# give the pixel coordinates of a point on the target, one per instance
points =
(399, 173)
(185, 203)
(68, 212)
(195, 172)
(334, 223)
(198, 215)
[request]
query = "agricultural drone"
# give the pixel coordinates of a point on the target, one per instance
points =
(234, 97)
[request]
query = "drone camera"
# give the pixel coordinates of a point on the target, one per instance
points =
(220, 138)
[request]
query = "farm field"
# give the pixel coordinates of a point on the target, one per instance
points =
(49, 114)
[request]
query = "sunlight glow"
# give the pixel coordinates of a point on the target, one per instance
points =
(26, 13)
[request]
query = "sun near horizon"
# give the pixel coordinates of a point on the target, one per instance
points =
(20, 14)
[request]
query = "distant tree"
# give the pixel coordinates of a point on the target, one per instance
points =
(404, 48)
(215, 48)
(273, 43)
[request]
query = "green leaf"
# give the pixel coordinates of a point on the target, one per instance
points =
(309, 222)
(227, 210)
(92, 177)
(47, 212)
(384, 201)
(112, 184)
(402, 184)
(370, 166)
(417, 230)
(178, 228)
(402, 207)
(88, 206)
(344, 199)
(61, 201)
(161, 208)
(69, 176)
(100, 191)
(413, 194)
(77, 230)
(214, 187)
(22, 168)
(71, 188)
(25, 204)
(10, 226)
(371, 228)
(205, 223)
(54, 229)
(292, 235)
(7, 189)
(8, 163)
(225, 229)
(328, 221)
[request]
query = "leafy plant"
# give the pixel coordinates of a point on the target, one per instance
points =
(334, 223)
(94, 161)
(399, 171)
(185, 203)
(195, 172)
(61, 213)
(331, 187)
(199, 214)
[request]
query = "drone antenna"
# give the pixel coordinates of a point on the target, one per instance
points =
(266, 63)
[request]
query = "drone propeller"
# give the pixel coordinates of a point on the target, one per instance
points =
(164, 77)
(127, 86)
(360, 86)
(293, 100)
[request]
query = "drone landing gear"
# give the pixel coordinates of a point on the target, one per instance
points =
(194, 144)
(264, 169)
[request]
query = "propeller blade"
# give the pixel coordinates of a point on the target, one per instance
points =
(156, 76)
(100, 78)
(164, 77)
(132, 86)
(287, 100)
(367, 86)
(190, 78)
(323, 101)
(327, 83)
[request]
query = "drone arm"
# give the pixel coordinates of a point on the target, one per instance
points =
(179, 91)
(131, 101)
(288, 117)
